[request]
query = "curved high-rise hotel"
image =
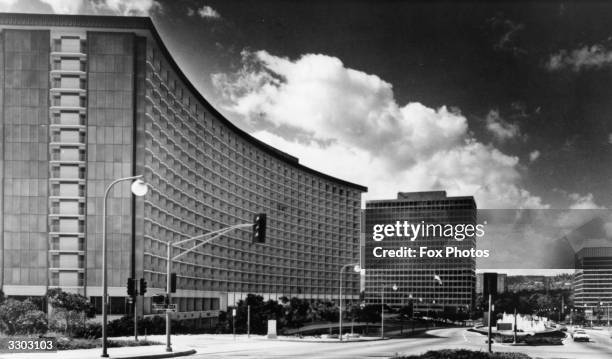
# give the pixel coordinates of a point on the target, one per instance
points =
(89, 99)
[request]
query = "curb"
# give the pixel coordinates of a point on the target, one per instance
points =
(159, 356)
(329, 341)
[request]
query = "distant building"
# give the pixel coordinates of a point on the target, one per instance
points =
(497, 280)
(593, 276)
(430, 284)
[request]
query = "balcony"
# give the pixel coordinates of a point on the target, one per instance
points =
(68, 46)
(58, 229)
(68, 136)
(70, 173)
(69, 155)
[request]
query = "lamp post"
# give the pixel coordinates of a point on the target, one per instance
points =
(382, 311)
(139, 188)
(357, 269)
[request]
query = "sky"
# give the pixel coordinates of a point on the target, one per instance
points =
(508, 102)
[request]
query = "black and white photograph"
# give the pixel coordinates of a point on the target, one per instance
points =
(305, 179)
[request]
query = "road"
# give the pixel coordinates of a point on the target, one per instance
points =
(224, 346)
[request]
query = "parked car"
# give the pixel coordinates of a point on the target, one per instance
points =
(580, 336)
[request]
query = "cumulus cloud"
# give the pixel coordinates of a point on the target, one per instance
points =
(105, 7)
(595, 56)
(351, 126)
(64, 6)
(205, 12)
(500, 128)
(130, 7)
(534, 155)
(583, 201)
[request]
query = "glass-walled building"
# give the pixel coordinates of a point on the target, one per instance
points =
(426, 283)
(90, 99)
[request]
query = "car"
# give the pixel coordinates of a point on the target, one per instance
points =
(580, 336)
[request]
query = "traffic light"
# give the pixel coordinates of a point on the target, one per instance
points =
(172, 282)
(143, 286)
(131, 287)
(259, 228)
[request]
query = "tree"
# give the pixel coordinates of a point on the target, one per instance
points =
(325, 311)
(406, 311)
(296, 312)
(370, 314)
(261, 312)
(59, 299)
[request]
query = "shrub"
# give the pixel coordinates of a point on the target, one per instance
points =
(123, 326)
(11, 313)
(32, 322)
(80, 343)
(88, 330)
(69, 312)
(152, 325)
(70, 302)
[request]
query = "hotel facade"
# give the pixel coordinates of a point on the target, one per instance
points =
(427, 284)
(89, 99)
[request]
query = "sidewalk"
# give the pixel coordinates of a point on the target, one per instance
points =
(143, 352)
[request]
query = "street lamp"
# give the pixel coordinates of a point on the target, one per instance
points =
(382, 311)
(139, 188)
(357, 269)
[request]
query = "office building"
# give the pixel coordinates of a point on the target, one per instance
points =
(429, 284)
(593, 275)
(90, 99)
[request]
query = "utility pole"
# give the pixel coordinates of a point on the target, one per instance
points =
(489, 322)
(248, 321)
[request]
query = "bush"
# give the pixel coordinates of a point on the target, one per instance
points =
(66, 321)
(72, 344)
(15, 314)
(69, 312)
(32, 322)
(121, 327)
(88, 330)
(152, 325)
(70, 302)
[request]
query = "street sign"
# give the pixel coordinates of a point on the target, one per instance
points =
(234, 312)
(171, 308)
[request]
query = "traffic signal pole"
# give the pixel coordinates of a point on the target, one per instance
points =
(135, 299)
(258, 228)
